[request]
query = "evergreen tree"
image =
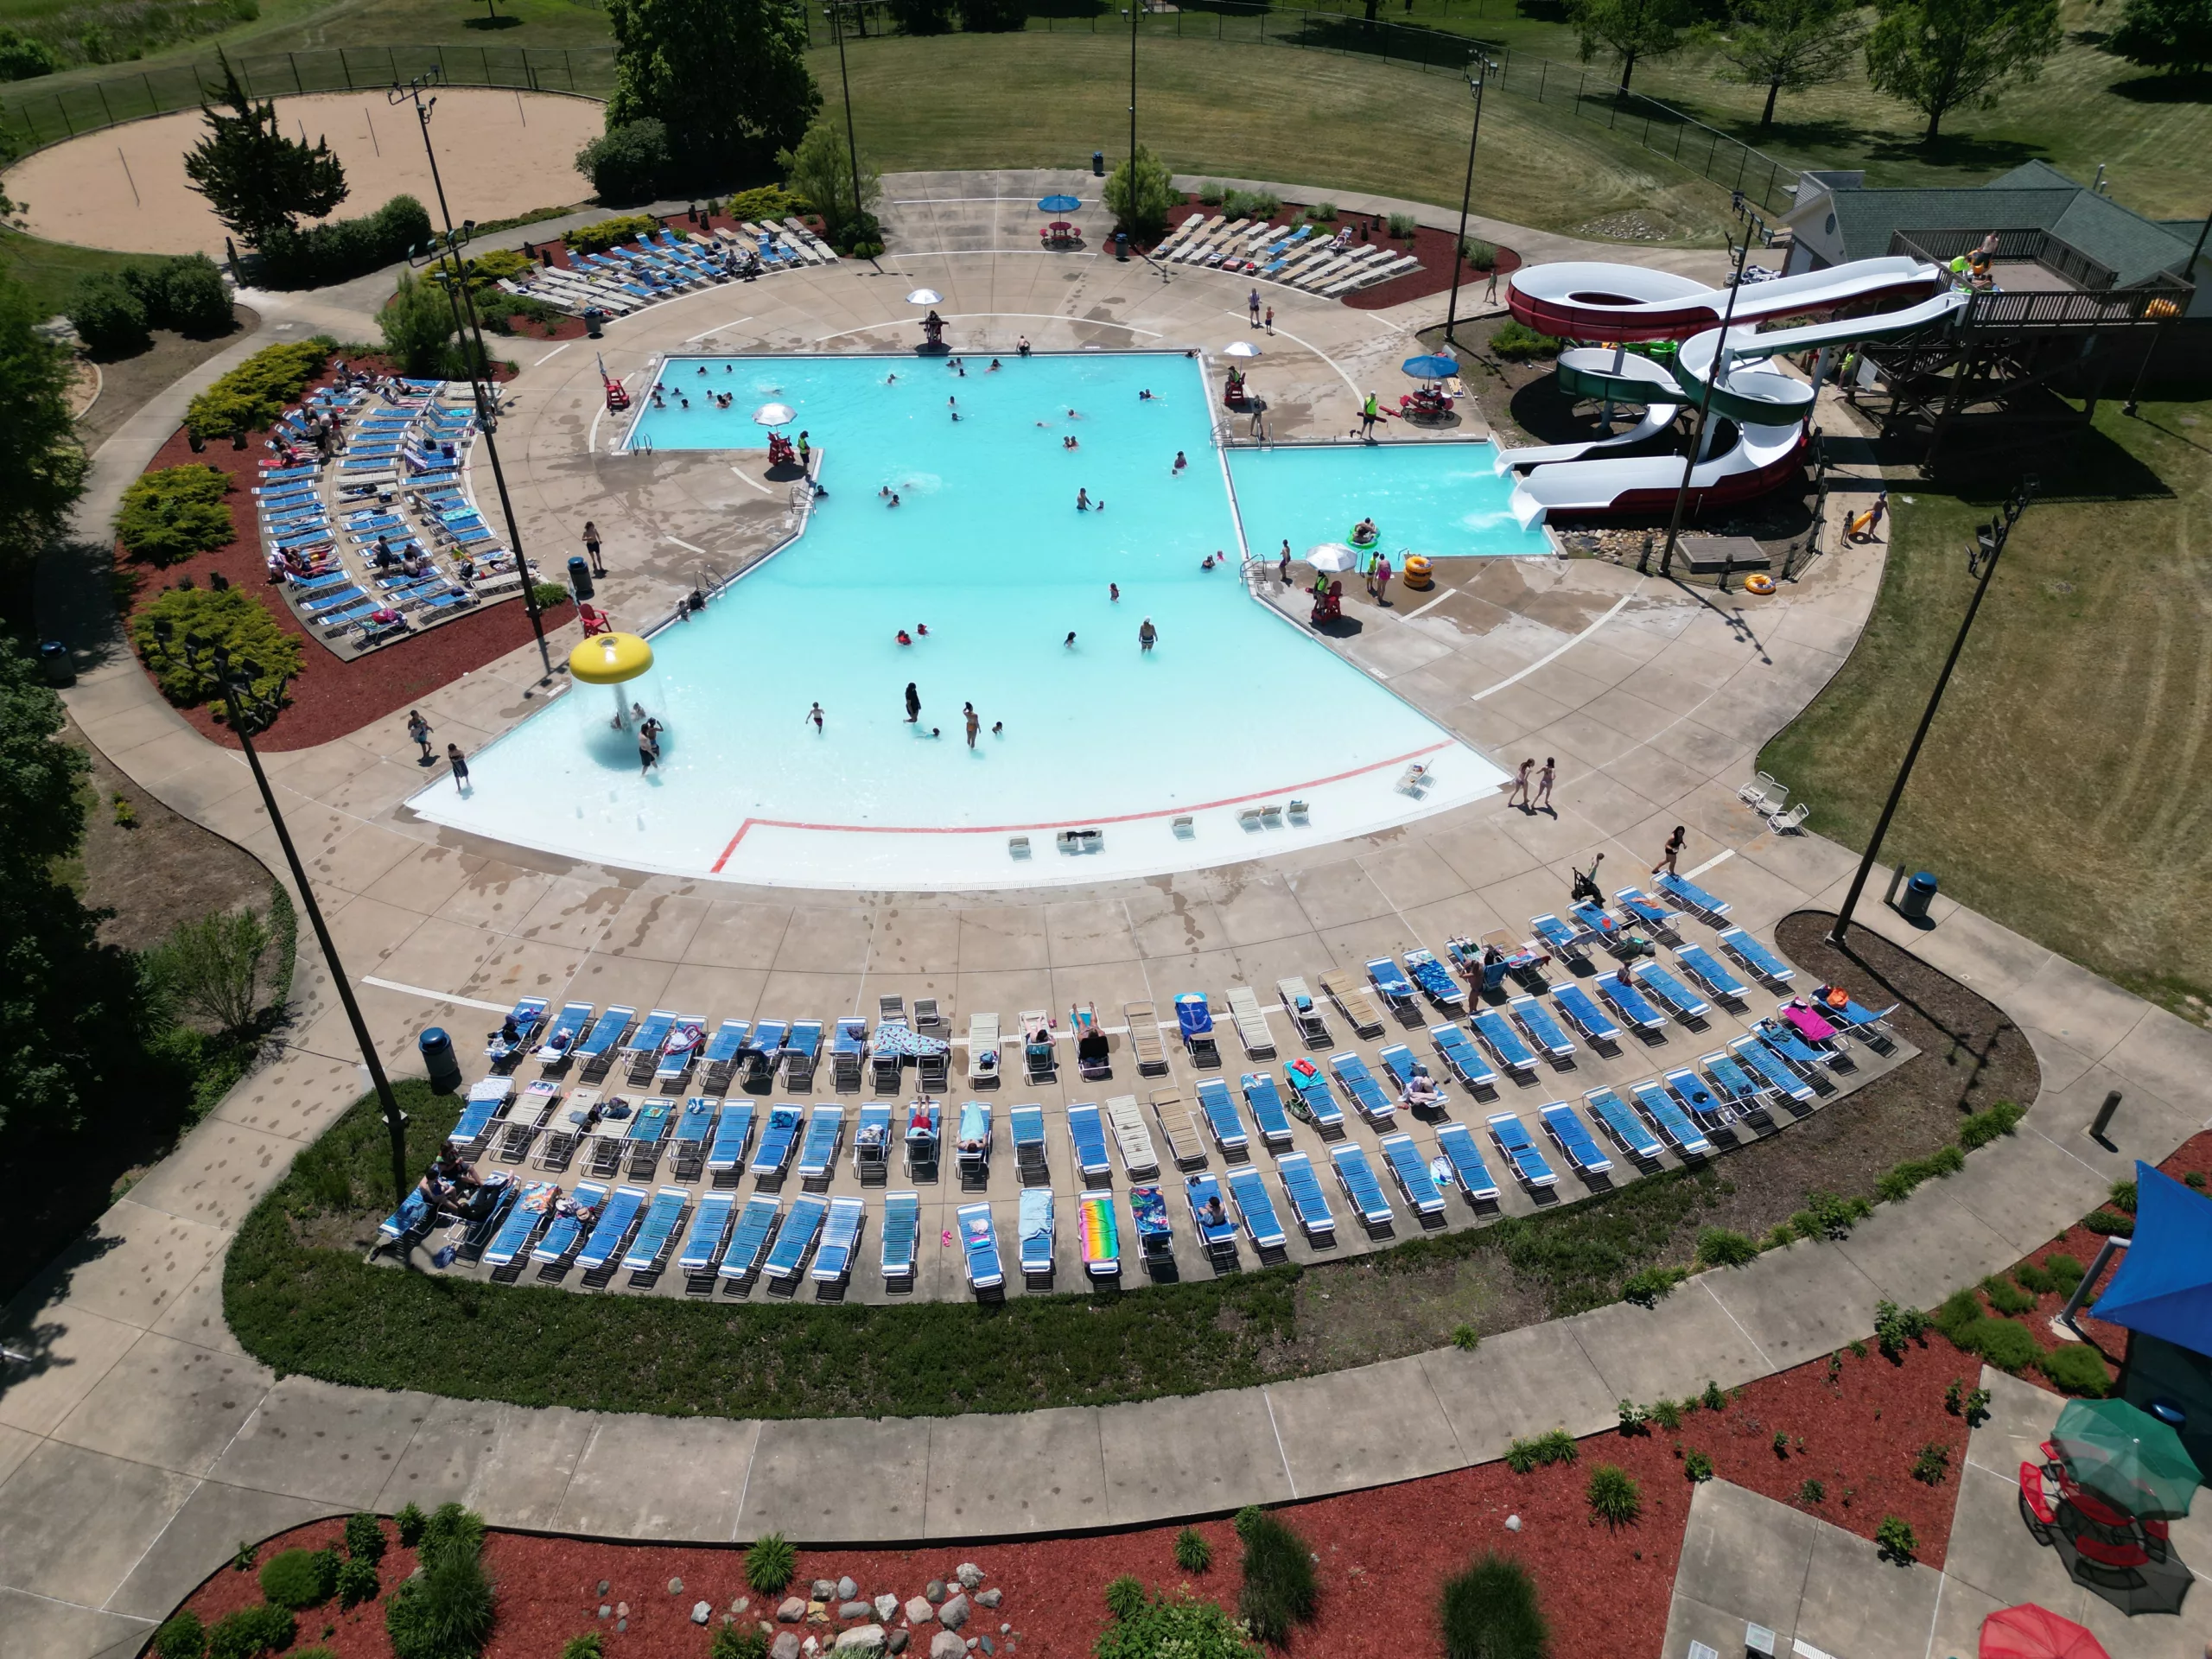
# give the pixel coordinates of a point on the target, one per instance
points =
(259, 182)
(42, 468)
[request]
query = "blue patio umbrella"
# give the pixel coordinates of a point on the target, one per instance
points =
(1438, 367)
(1059, 205)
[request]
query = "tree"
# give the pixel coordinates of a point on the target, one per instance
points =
(625, 164)
(820, 169)
(922, 16)
(1141, 192)
(1941, 55)
(2173, 34)
(1630, 29)
(23, 58)
(217, 970)
(1786, 45)
(728, 77)
(417, 324)
(993, 16)
(42, 468)
(258, 182)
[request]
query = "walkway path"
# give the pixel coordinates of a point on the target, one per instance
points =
(137, 1446)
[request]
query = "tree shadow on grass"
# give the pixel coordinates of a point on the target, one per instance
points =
(2166, 89)
(500, 20)
(1964, 151)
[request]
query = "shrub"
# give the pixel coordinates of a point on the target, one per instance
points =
(2007, 1297)
(1210, 192)
(345, 248)
(588, 1646)
(1811, 1491)
(1517, 342)
(2103, 1221)
(251, 1632)
(2031, 1276)
(1192, 1553)
(1899, 1181)
(416, 323)
(488, 269)
(224, 616)
(1402, 226)
(109, 318)
(1125, 1597)
(768, 201)
(1646, 1288)
(1279, 1588)
(185, 293)
(2065, 1272)
(182, 1637)
(1466, 1338)
(2004, 1345)
(2195, 1179)
(730, 1642)
(1556, 1445)
(445, 1613)
(172, 514)
(1984, 1126)
(251, 396)
(770, 1562)
(2076, 1368)
(1247, 1518)
(1930, 1464)
(1895, 1539)
(549, 594)
(1720, 1247)
(1613, 1495)
(365, 1538)
(626, 164)
(1491, 1611)
(1251, 204)
(1697, 1465)
(23, 58)
(2122, 1197)
(1957, 1314)
(1186, 1627)
(1828, 1214)
(1977, 1408)
(1482, 255)
(1633, 1419)
(411, 1520)
(1896, 1326)
(1322, 212)
(1666, 1415)
(357, 1581)
(1139, 194)
(1713, 1399)
(300, 1578)
(602, 234)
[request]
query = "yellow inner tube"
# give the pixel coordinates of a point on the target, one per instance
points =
(1758, 582)
(610, 658)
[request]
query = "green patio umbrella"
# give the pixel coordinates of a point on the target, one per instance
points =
(2127, 1457)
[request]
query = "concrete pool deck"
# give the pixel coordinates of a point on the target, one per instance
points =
(138, 1445)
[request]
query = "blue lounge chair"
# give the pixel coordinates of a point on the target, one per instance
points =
(1621, 992)
(1220, 1109)
(924, 1135)
(1562, 939)
(1665, 1114)
(612, 1227)
(872, 1145)
(687, 1142)
(1697, 1098)
(1686, 894)
(979, 1247)
(642, 1140)
(1573, 1137)
(681, 1050)
(802, 1053)
(566, 1231)
(1682, 1001)
(488, 1097)
(764, 1051)
(733, 1130)
(532, 1206)
(1155, 1233)
(1735, 1085)
(1771, 1070)
(1308, 1201)
(528, 1014)
(756, 1224)
(1035, 1221)
(841, 1242)
(1195, 1020)
(1391, 984)
(1461, 1057)
(1411, 1171)
(1435, 980)
(1268, 1109)
(1529, 1163)
(848, 1052)
(902, 1226)
(1712, 977)
(702, 1245)
(718, 1060)
(1862, 1021)
(1256, 1208)
(1755, 956)
(1361, 1191)
(411, 1220)
(1217, 1238)
(974, 1145)
(777, 1140)
(826, 1133)
(1026, 1128)
(642, 1046)
(1367, 1096)
(796, 1238)
(1398, 1060)
(1505, 1043)
(1312, 1097)
(1626, 1129)
(562, 1035)
(1087, 1144)
(1583, 1013)
(657, 1231)
(1596, 924)
(1801, 1054)
(1466, 1158)
(1550, 1040)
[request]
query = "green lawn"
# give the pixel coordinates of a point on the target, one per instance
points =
(2065, 788)
(50, 270)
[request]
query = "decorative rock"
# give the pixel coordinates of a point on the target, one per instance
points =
(896, 1642)
(954, 1613)
(934, 1592)
(817, 1612)
(602, 1587)
(701, 1611)
(1513, 1523)
(1006, 1629)
(989, 1646)
(791, 1612)
(847, 1589)
(990, 1597)
(854, 1609)
(787, 1647)
(824, 1590)
(810, 1646)
(606, 1612)
(621, 1609)
(945, 1645)
(622, 1623)
(919, 1611)
(969, 1573)
(862, 1638)
(741, 1605)
(675, 1586)
(886, 1608)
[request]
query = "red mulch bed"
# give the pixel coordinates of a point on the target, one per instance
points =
(329, 698)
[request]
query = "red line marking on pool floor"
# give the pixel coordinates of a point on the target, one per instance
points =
(1063, 823)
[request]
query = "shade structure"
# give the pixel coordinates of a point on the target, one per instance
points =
(775, 415)
(925, 296)
(1058, 204)
(1436, 366)
(2158, 1583)
(2033, 1632)
(2163, 1285)
(1331, 556)
(1240, 348)
(2127, 1457)
(609, 660)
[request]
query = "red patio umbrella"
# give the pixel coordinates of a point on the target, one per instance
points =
(2033, 1632)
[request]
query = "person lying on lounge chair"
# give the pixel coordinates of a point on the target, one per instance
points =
(1421, 1090)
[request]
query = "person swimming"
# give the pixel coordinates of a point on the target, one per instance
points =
(1083, 500)
(904, 638)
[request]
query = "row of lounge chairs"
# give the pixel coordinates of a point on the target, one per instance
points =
(669, 262)
(1297, 256)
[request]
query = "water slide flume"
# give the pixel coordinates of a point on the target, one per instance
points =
(1768, 408)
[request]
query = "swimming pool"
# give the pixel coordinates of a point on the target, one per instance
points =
(1440, 497)
(1234, 708)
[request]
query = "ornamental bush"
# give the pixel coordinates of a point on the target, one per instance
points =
(1185, 1627)
(251, 396)
(1279, 1588)
(602, 234)
(357, 1582)
(448, 1612)
(365, 1538)
(1613, 1495)
(730, 1642)
(300, 1578)
(1194, 1554)
(219, 616)
(182, 1637)
(1723, 1247)
(1517, 342)
(1491, 1611)
(1125, 1597)
(108, 317)
(626, 164)
(770, 1562)
(2076, 1369)
(172, 514)
(251, 1631)
(345, 248)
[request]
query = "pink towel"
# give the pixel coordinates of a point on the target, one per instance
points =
(1807, 1023)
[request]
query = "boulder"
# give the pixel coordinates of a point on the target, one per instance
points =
(919, 1611)
(969, 1573)
(621, 1609)
(862, 1638)
(741, 1605)
(934, 1590)
(896, 1642)
(945, 1645)
(787, 1647)
(701, 1611)
(675, 1586)
(954, 1613)
(824, 1590)
(854, 1609)
(602, 1587)
(791, 1612)
(886, 1608)
(847, 1589)
(990, 1597)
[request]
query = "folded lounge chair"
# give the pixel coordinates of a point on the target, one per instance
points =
(1308, 1201)
(1755, 956)
(702, 1245)
(1511, 1135)
(748, 1242)
(1392, 985)
(1469, 1172)
(1144, 1037)
(1195, 1020)
(1036, 1225)
(979, 1247)
(725, 1152)
(1304, 1014)
(1256, 1207)
(1313, 1099)
(1664, 1112)
(1352, 1001)
(1367, 1096)
(1268, 1113)
(872, 1146)
(796, 1238)
(1099, 1236)
(657, 1231)
(841, 1242)
(1543, 1030)
(1361, 1191)
(1026, 1127)
(1461, 1057)
(902, 1226)
(1185, 1144)
(1625, 1129)
(826, 1133)
(1411, 1171)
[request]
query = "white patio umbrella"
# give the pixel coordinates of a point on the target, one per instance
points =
(925, 296)
(1333, 555)
(775, 414)
(1240, 348)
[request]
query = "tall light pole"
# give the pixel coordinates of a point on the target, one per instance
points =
(247, 711)
(1989, 545)
(1704, 410)
(480, 362)
(1466, 196)
(852, 145)
(1136, 6)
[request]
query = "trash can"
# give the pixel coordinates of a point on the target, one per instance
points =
(1913, 903)
(580, 578)
(1099, 163)
(1121, 246)
(439, 1061)
(594, 322)
(55, 665)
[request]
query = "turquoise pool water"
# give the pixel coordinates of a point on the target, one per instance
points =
(1437, 497)
(988, 550)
